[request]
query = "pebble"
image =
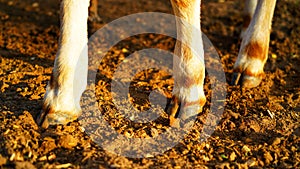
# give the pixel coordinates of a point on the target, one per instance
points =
(232, 156)
(268, 157)
(67, 141)
(3, 160)
(35, 4)
(276, 141)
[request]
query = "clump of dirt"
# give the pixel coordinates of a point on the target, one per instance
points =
(259, 127)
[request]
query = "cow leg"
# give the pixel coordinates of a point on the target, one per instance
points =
(62, 97)
(188, 69)
(254, 48)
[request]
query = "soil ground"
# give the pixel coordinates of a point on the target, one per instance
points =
(259, 127)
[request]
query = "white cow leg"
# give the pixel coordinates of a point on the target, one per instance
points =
(189, 69)
(254, 48)
(67, 83)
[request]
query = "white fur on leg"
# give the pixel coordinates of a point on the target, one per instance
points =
(69, 79)
(255, 44)
(188, 64)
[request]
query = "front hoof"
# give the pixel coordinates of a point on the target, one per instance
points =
(49, 117)
(181, 112)
(185, 119)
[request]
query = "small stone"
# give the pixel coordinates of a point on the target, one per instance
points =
(248, 140)
(268, 157)
(69, 129)
(48, 145)
(276, 141)
(154, 132)
(124, 50)
(52, 157)
(67, 165)
(205, 158)
(43, 158)
(274, 56)
(3, 160)
(127, 134)
(67, 141)
(232, 156)
(35, 4)
(260, 162)
(251, 162)
(255, 126)
(149, 155)
(246, 149)
(207, 146)
(10, 3)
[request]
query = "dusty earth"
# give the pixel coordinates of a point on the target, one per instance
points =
(259, 127)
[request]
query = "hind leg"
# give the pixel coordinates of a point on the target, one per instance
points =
(254, 48)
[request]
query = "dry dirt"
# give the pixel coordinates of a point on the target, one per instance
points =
(259, 127)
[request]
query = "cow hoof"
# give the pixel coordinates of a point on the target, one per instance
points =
(48, 117)
(180, 112)
(245, 81)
